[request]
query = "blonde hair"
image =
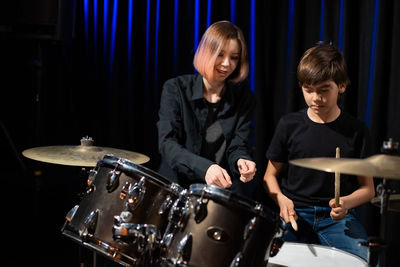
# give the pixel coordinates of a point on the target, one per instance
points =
(210, 46)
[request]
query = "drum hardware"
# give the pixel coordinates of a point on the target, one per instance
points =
(212, 226)
(178, 213)
(217, 234)
(377, 246)
(177, 217)
(91, 176)
(200, 208)
(141, 237)
(236, 260)
(124, 213)
(276, 246)
(166, 205)
(249, 228)
(133, 193)
(70, 215)
(84, 155)
(184, 249)
(113, 180)
(393, 203)
(89, 225)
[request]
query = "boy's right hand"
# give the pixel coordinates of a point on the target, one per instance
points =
(286, 208)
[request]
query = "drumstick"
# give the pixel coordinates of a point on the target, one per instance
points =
(293, 222)
(337, 181)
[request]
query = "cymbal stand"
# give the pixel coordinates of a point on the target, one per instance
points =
(378, 245)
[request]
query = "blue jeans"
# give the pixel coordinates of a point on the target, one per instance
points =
(315, 226)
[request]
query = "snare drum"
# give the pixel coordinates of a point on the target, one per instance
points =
(302, 255)
(124, 212)
(219, 228)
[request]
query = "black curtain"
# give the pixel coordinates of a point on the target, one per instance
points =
(70, 70)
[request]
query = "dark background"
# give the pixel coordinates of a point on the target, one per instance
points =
(73, 68)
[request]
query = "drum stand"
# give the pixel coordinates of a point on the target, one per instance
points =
(378, 245)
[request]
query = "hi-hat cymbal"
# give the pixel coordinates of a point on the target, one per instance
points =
(393, 205)
(382, 166)
(82, 155)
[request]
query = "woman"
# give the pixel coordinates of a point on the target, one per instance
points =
(205, 119)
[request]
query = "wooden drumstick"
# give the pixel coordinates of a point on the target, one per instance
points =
(337, 181)
(293, 222)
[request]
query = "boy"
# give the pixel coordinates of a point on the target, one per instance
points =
(316, 131)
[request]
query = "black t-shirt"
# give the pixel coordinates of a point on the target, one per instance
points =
(296, 136)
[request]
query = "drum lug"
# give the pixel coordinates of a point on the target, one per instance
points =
(89, 226)
(91, 177)
(249, 228)
(135, 194)
(276, 246)
(113, 180)
(200, 210)
(165, 205)
(236, 261)
(70, 215)
(185, 249)
(178, 213)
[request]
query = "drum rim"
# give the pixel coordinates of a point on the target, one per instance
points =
(130, 167)
(218, 193)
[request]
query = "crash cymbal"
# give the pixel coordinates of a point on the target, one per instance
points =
(83, 155)
(380, 166)
(394, 202)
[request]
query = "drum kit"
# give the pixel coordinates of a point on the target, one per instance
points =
(136, 217)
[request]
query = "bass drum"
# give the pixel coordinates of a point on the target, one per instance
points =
(218, 228)
(124, 212)
(301, 255)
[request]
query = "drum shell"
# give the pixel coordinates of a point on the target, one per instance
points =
(110, 204)
(231, 214)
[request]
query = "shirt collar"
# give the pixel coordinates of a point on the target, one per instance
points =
(197, 92)
(197, 88)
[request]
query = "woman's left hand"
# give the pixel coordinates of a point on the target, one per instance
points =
(247, 170)
(338, 213)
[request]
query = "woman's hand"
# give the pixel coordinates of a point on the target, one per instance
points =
(218, 176)
(247, 170)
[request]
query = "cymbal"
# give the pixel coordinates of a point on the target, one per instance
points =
(81, 155)
(394, 202)
(382, 166)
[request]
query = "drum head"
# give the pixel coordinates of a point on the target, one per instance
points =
(305, 255)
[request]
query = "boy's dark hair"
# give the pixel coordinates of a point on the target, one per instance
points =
(321, 63)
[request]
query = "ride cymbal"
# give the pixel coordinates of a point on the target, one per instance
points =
(380, 166)
(83, 155)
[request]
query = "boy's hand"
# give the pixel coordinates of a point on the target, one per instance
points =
(338, 213)
(286, 208)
